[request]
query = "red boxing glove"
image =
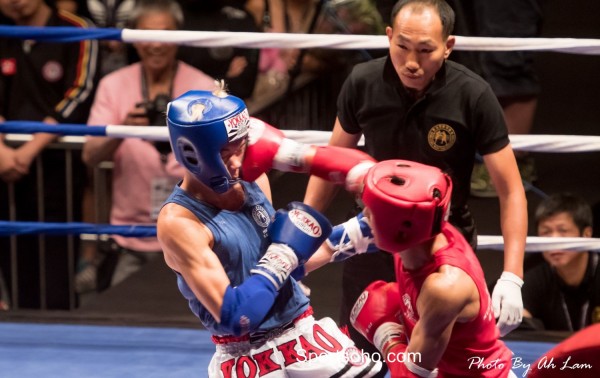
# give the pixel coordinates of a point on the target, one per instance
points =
(268, 148)
(378, 306)
(263, 142)
(376, 315)
(340, 165)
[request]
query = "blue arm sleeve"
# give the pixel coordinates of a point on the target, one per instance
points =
(245, 306)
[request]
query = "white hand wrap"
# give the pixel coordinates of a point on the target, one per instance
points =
(291, 156)
(276, 264)
(356, 175)
(353, 240)
(386, 333)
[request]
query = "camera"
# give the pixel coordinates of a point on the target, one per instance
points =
(156, 109)
(156, 112)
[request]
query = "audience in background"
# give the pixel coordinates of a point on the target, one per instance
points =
(237, 66)
(105, 14)
(296, 89)
(53, 83)
(113, 55)
(511, 75)
(144, 172)
(564, 291)
(309, 16)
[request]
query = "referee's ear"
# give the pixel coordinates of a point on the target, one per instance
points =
(449, 46)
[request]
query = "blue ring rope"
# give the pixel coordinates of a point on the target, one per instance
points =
(8, 228)
(31, 127)
(60, 33)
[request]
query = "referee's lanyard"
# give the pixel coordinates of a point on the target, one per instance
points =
(586, 305)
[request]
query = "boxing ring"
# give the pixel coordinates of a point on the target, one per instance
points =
(74, 351)
(32, 349)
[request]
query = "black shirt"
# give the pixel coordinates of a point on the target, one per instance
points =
(561, 307)
(40, 79)
(458, 116)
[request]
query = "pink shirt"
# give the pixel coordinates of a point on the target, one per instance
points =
(140, 178)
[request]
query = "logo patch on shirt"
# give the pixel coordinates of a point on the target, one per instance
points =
(441, 137)
(260, 216)
(52, 71)
(409, 313)
(8, 66)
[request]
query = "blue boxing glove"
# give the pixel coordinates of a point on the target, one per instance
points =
(296, 234)
(350, 238)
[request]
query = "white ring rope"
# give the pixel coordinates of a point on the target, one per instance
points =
(351, 41)
(537, 143)
(555, 143)
(540, 244)
(143, 132)
(520, 142)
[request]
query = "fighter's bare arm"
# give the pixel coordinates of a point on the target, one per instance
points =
(447, 296)
(186, 244)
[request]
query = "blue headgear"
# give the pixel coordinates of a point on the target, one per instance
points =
(200, 124)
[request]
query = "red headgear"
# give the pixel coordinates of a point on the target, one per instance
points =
(408, 201)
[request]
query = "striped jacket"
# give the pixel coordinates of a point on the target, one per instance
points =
(40, 79)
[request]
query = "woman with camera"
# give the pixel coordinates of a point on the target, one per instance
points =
(144, 172)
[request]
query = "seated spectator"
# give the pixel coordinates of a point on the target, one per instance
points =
(52, 83)
(564, 291)
(144, 172)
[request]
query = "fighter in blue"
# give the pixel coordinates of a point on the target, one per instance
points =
(233, 254)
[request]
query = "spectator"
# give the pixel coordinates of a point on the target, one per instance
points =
(563, 292)
(237, 66)
(105, 14)
(307, 80)
(113, 55)
(512, 76)
(53, 83)
(233, 255)
(309, 16)
(144, 172)
(416, 105)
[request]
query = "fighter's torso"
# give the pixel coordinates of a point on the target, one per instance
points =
(471, 342)
(240, 239)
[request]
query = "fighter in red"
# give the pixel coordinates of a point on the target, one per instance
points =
(437, 319)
